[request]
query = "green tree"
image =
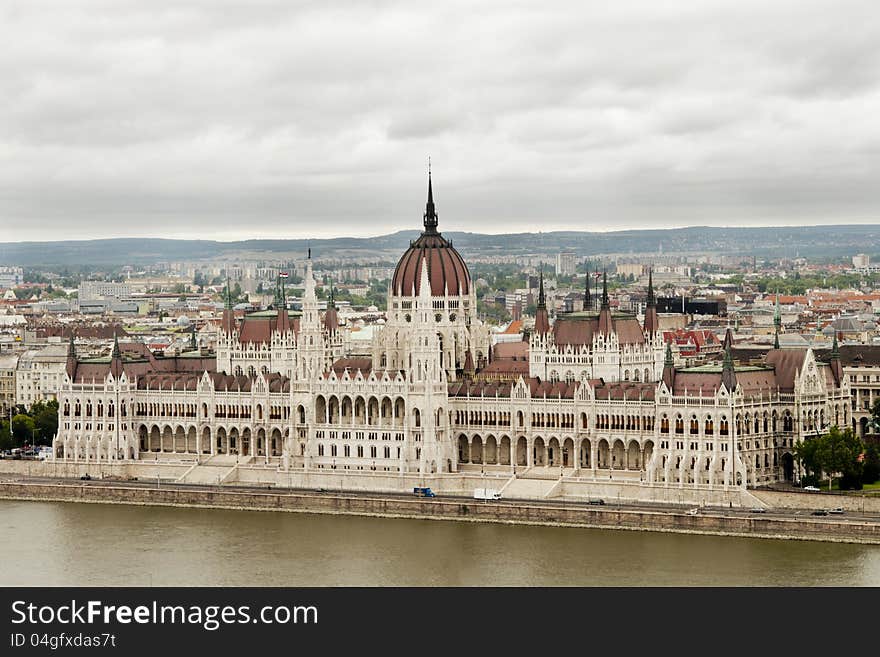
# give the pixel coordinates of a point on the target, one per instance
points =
(874, 425)
(871, 464)
(806, 454)
(22, 429)
(840, 452)
(45, 416)
(6, 441)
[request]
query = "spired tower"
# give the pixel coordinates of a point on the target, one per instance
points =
(432, 272)
(432, 334)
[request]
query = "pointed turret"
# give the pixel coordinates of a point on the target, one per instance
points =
(193, 344)
(310, 316)
(605, 325)
(669, 367)
(728, 340)
(588, 300)
(652, 323)
(836, 367)
(71, 357)
(776, 339)
(605, 302)
(542, 321)
(282, 325)
(331, 318)
(116, 358)
(728, 374)
(777, 314)
(227, 324)
(469, 368)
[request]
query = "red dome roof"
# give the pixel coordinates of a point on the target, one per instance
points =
(446, 268)
(447, 272)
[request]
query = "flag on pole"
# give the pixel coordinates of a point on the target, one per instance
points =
(283, 274)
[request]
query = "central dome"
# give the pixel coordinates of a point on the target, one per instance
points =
(447, 272)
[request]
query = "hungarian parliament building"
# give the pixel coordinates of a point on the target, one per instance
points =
(594, 394)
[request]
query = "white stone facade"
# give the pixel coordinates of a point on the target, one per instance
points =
(293, 399)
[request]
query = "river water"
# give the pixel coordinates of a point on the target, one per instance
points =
(66, 544)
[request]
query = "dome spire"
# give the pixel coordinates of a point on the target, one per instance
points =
(430, 218)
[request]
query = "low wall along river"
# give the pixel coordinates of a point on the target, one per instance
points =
(522, 512)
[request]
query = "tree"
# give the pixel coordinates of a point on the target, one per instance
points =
(805, 453)
(22, 429)
(840, 452)
(871, 464)
(45, 417)
(874, 425)
(5, 439)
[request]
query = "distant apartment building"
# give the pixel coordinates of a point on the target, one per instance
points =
(566, 264)
(861, 261)
(633, 269)
(8, 364)
(11, 276)
(40, 373)
(90, 290)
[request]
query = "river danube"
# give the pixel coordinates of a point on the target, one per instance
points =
(63, 544)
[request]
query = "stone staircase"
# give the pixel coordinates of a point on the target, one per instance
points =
(528, 488)
(216, 470)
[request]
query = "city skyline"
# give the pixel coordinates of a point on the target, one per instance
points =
(231, 122)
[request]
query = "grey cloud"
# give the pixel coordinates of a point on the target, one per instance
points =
(293, 118)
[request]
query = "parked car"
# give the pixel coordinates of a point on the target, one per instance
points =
(812, 489)
(693, 512)
(86, 477)
(838, 511)
(820, 512)
(758, 509)
(596, 502)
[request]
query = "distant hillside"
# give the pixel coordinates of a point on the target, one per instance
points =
(806, 241)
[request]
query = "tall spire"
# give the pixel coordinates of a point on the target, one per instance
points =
(430, 218)
(668, 376)
(588, 301)
(228, 321)
(331, 317)
(776, 339)
(605, 302)
(542, 320)
(728, 339)
(116, 358)
(728, 375)
(605, 325)
(193, 345)
(652, 323)
(71, 358)
(541, 301)
(836, 368)
(777, 315)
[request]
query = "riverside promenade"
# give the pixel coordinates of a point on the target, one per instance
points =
(855, 526)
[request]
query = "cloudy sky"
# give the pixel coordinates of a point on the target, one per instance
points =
(264, 118)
